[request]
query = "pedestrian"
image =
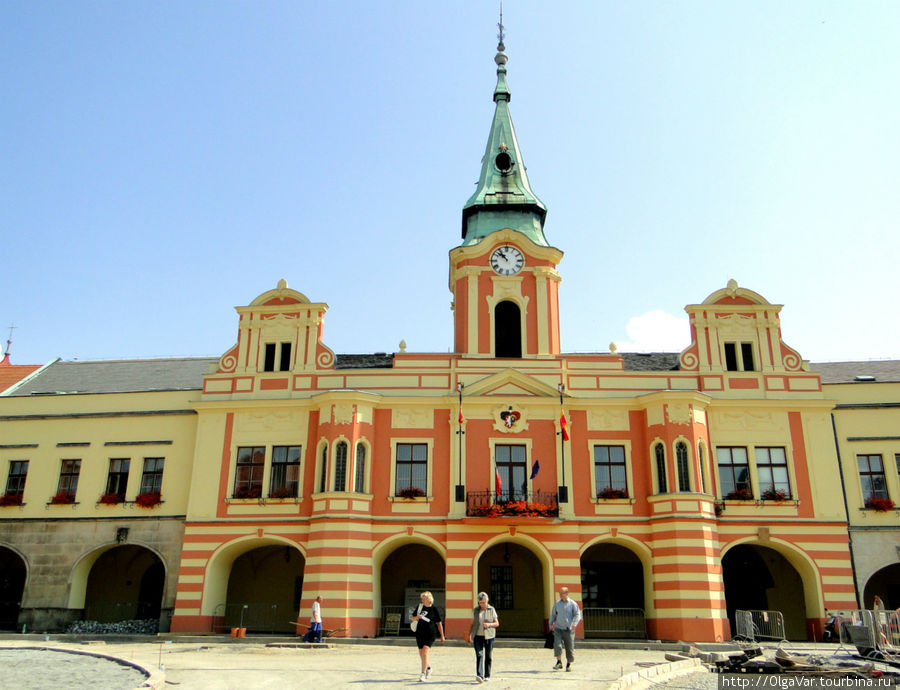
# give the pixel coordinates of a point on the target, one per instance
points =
(315, 621)
(482, 633)
(564, 618)
(427, 622)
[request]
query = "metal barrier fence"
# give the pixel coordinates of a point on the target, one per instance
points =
(755, 625)
(869, 631)
(256, 617)
(607, 622)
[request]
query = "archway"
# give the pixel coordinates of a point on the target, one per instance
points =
(507, 330)
(612, 591)
(760, 578)
(12, 587)
(513, 577)
(264, 590)
(125, 583)
(884, 583)
(407, 572)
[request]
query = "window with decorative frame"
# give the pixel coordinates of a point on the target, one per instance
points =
(359, 482)
(682, 466)
(701, 462)
(610, 475)
(871, 477)
(772, 473)
(284, 478)
(411, 469)
(69, 471)
(249, 469)
(661, 482)
(323, 469)
(734, 472)
(151, 478)
(340, 466)
(15, 480)
(739, 357)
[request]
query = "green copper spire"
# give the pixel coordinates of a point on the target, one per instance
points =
(503, 198)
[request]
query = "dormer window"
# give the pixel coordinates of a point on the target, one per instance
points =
(279, 353)
(739, 357)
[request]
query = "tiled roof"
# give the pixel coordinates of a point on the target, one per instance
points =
(119, 376)
(379, 360)
(883, 371)
(13, 373)
(650, 361)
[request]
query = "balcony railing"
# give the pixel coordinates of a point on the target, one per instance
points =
(511, 503)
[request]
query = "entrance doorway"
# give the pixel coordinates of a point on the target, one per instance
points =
(125, 583)
(12, 588)
(264, 590)
(513, 578)
(884, 583)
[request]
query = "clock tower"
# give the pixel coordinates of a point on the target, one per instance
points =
(503, 276)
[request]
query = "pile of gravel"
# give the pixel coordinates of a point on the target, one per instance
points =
(149, 626)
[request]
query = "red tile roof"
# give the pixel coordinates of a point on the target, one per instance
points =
(11, 374)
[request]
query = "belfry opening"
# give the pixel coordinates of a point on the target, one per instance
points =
(507, 330)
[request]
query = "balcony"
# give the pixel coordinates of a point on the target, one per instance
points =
(511, 504)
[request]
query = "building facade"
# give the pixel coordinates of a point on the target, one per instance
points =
(233, 491)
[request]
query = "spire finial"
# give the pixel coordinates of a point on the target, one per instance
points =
(5, 359)
(500, 34)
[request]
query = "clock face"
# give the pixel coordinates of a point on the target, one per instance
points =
(507, 260)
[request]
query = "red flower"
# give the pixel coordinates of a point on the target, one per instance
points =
(110, 499)
(62, 498)
(882, 505)
(149, 499)
(9, 499)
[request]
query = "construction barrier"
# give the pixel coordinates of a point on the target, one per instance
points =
(613, 622)
(757, 625)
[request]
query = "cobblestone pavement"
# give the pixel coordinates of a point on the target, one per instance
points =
(221, 665)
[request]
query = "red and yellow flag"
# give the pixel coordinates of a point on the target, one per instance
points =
(461, 418)
(498, 483)
(564, 426)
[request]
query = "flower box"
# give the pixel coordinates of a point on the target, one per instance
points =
(775, 495)
(282, 492)
(9, 499)
(739, 495)
(608, 492)
(514, 509)
(882, 505)
(411, 492)
(248, 492)
(110, 499)
(61, 498)
(148, 500)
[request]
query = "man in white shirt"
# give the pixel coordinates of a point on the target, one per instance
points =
(315, 621)
(564, 618)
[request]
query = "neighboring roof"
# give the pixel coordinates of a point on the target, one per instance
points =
(119, 376)
(379, 360)
(883, 371)
(650, 361)
(11, 374)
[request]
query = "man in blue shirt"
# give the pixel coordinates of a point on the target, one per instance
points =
(564, 618)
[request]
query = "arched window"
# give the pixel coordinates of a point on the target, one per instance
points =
(507, 330)
(661, 469)
(684, 470)
(359, 483)
(701, 461)
(340, 466)
(323, 471)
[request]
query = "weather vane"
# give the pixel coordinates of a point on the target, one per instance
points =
(500, 35)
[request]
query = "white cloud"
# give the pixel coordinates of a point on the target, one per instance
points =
(656, 331)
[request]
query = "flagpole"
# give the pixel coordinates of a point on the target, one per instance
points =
(563, 490)
(460, 487)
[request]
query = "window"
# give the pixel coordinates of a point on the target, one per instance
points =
(739, 357)
(511, 464)
(507, 330)
(701, 460)
(151, 479)
(285, 479)
(412, 467)
(280, 352)
(501, 595)
(734, 473)
(772, 472)
(662, 484)
(681, 464)
(359, 484)
(18, 472)
(117, 480)
(340, 466)
(610, 478)
(323, 470)
(68, 477)
(871, 476)
(248, 475)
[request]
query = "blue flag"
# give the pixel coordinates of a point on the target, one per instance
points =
(535, 468)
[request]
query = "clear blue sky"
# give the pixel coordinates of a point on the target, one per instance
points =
(163, 162)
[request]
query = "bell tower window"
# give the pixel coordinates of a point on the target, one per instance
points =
(507, 330)
(283, 359)
(739, 357)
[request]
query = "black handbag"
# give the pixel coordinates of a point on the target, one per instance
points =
(548, 640)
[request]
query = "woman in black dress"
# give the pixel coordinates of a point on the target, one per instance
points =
(428, 625)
